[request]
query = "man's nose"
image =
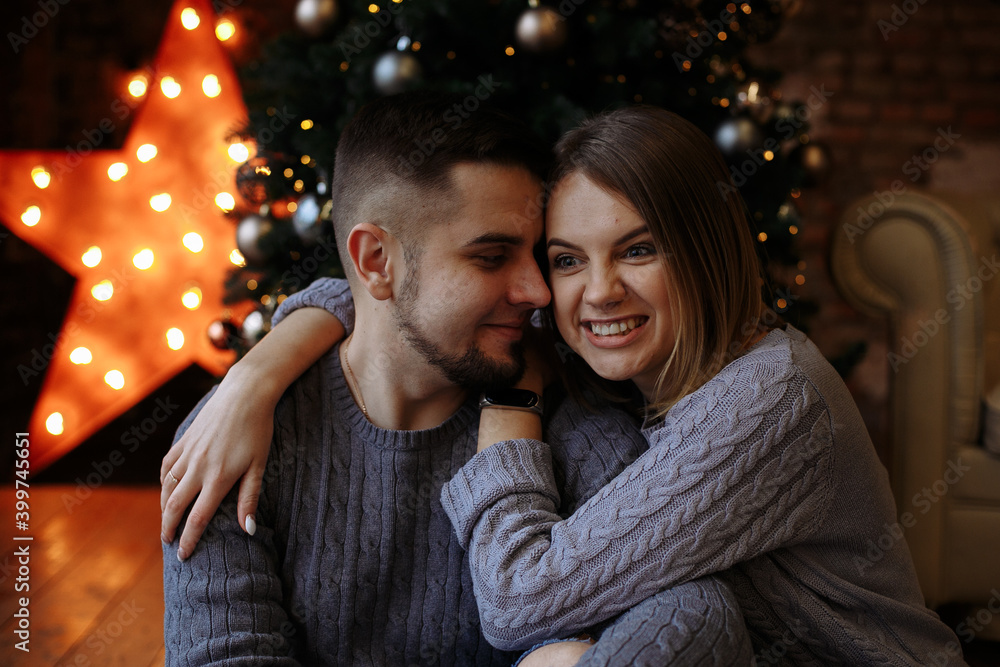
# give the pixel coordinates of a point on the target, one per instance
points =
(528, 287)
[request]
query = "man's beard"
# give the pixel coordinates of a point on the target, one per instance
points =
(473, 370)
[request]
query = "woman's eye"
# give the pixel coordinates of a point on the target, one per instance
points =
(641, 250)
(563, 262)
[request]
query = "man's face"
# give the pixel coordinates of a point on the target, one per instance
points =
(465, 299)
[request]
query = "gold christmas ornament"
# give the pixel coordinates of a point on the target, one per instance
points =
(541, 30)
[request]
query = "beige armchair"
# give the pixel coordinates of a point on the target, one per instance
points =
(929, 264)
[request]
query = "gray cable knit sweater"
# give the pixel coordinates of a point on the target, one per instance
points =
(767, 470)
(766, 473)
(355, 561)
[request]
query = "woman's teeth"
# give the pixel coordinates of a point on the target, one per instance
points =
(621, 327)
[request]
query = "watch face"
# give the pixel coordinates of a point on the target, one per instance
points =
(519, 398)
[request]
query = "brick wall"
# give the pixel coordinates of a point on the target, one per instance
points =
(898, 72)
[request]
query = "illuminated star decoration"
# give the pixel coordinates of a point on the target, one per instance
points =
(142, 230)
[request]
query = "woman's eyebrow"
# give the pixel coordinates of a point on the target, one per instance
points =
(627, 236)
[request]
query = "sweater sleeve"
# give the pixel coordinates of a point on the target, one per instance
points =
(695, 623)
(738, 468)
(223, 605)
(331, 294)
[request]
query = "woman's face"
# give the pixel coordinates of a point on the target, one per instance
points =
(609, 286)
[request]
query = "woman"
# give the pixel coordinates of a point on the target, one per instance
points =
(759, 465)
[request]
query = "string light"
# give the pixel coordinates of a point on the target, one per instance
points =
(170, 87)
(236, 257)
(762, 237)
(306, 124)
(251, 284)
(190, 19)
(509, 50)
(117, 171)
(210, 86)
(145, 153)
(175, 338)
(115, 379)
(193, 242)
(81, 355)
(31, 216)
(41, 177)
(54, 423)
(92, 257)
(225, 29)
(143, 259)
(103, 290)
(160, 202)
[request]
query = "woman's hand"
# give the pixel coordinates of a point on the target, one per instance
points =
(230, 438)
(497, 423)
(538, 372)
(228, 441)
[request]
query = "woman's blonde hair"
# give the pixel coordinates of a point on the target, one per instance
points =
(676, 180)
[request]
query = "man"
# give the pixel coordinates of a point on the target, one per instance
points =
(353, 560)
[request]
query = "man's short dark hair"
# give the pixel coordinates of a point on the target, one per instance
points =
(394, 160)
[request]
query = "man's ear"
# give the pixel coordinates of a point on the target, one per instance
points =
(375, 254)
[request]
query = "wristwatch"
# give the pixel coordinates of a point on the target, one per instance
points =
(512, 399)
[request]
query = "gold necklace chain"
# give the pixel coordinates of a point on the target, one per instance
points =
(364, 408)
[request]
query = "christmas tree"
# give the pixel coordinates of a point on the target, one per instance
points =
(550, 64)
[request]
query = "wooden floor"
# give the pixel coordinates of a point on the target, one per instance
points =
(96, 577)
